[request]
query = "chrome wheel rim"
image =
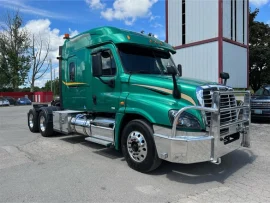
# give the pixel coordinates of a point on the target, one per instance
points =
(137, 146)
(31, 120)
(42, 124)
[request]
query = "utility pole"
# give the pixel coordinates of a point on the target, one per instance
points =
(54, 80)
(51, 73)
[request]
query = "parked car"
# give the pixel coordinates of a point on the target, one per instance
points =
(24, 101)
(4, 102)
(11, 100)
(260, 103)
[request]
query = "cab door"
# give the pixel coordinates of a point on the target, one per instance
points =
(106, 88)
(76, 85)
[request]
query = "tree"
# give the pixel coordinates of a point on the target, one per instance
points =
(14, 45)
(259, 52)
(39, 53)
(55, 85)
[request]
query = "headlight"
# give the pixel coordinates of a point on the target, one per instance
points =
(199, 94)
(186, 120)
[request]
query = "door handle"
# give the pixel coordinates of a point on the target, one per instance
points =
(94, 97)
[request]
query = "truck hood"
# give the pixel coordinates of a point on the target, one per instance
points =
(163, 84)
(166, 81)
(151, 96)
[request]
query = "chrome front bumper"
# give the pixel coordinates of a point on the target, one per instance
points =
(193, 147)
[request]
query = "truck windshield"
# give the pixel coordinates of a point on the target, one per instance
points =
(142, 60)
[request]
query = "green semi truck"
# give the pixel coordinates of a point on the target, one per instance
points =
(122, 89)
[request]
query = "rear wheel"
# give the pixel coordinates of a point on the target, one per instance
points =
(32, 121)
(138, 146)
(45, 126)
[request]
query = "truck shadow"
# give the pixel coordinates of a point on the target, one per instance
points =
(99, 149)
(184, 173)
(206, 171)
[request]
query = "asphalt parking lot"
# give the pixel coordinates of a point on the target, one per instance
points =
(69, 169)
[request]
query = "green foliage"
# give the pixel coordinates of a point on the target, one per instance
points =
(55, 86)
(25, 89)
(28, 89)
(14, 45)
(259, 52)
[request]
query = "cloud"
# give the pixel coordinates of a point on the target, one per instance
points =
(153, 18)
(259, 2)
(156, 25)
(95, 4)
(73, 33)
(128, 10)
(42, 28)
(22, 7)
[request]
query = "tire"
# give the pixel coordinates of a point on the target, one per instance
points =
(45, 124)
(138, 146)
(32, 119)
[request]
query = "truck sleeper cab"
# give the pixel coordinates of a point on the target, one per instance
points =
(122, 89)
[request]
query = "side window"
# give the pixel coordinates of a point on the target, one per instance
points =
(259, 92)
(266, 92)
(108, 64)
(72, 72)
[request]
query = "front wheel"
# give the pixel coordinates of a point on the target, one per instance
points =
(138, 146)
(45, 126)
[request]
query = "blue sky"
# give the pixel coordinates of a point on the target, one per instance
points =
(81, 15)
(54, 18)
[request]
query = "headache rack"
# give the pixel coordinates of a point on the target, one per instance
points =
(227, 120)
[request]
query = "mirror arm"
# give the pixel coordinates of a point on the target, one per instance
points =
(176, 92)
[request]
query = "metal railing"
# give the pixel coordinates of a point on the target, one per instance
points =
(215, 126)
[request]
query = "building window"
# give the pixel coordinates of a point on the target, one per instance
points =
(72, 72)
(108, 64)
(183, 21)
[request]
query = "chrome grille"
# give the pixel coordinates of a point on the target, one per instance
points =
(226, 101)
(260, 104)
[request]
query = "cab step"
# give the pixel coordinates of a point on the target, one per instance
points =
(99, 141)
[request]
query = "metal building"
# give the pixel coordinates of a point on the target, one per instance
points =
(210, 36)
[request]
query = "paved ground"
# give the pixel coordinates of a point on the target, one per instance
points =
(68, 169)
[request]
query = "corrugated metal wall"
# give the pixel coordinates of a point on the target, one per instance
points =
(175, 22)
(235, 63)
(227, 19)
(199, 62)
(246, 12)
(201, 20)
(239, 21)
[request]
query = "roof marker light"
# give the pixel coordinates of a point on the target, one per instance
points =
(66, 36)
